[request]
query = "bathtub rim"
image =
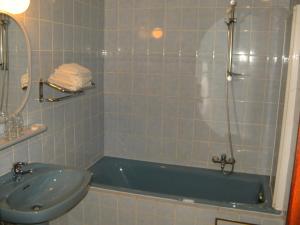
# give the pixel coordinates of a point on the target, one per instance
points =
(281, 214)
(265, 207)
(172, 198)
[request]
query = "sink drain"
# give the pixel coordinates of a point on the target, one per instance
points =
(36, 207)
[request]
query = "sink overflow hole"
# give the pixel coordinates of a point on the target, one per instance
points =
(36, 207)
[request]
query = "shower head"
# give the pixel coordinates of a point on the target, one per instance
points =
(233, 2)
(232, 6)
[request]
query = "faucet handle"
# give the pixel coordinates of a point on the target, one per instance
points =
(231, 161)
(215, 159)
(20, 163)
(18, 171)
(223, 157)
(17, 167)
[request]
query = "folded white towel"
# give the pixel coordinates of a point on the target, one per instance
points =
(71, 78)
(79, 75)
(24, 81)
(69, 86)
(74, 68)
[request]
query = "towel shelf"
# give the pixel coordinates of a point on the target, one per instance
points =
(70, 93)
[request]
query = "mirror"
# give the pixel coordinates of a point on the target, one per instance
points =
(15, 66)
(15, 82)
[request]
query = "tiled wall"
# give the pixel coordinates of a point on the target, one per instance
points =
(63, 31)
(164, 81)
(101, 207)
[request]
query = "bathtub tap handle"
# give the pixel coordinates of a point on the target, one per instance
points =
(215, 159)
(231, 161)
(223, 161)
(223, 157)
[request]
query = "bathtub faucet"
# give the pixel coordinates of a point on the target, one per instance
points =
(224, 161)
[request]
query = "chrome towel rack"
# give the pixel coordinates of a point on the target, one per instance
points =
(70, 93)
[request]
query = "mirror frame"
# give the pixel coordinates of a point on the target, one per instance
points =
(26, 97)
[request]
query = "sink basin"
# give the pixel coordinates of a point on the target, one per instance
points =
(44, 195)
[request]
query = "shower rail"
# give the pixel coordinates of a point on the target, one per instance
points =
(223, 160)
(230, 21)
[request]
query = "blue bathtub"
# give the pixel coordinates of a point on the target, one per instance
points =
(187, 184)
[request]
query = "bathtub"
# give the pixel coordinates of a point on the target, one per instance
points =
(185, 184)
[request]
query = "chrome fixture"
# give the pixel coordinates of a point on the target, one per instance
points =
(230, 21)
(224, 161)
(70, 93)
(18, 171)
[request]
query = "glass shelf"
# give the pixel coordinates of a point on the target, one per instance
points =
(28, 132)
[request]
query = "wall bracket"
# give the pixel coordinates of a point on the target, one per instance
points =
(70, 93)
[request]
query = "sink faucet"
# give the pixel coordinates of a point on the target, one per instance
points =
(18, 170)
